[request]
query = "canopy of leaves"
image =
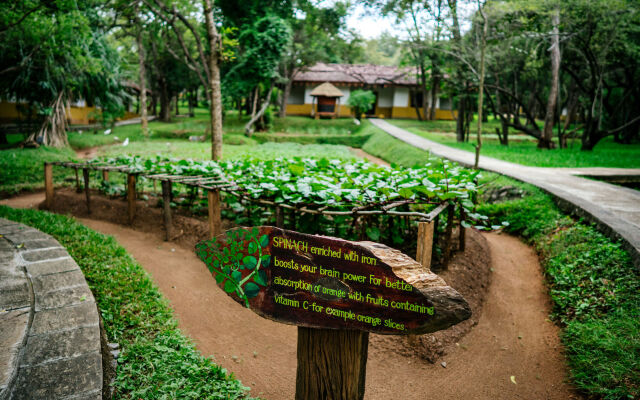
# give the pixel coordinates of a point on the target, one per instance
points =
(361, 101)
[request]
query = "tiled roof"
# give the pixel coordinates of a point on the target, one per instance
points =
(367, 74)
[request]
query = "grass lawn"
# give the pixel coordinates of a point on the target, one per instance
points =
(607, 153)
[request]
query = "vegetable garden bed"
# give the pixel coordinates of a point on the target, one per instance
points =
(354, 200)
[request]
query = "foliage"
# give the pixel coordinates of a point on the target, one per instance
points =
(57, 51)
(323, 182)
(22, 169)
(157, 360)
(235, 264)
(361, 101)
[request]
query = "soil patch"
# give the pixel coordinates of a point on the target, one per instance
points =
(512, 335)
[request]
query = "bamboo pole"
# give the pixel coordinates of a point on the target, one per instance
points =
(215, 218)
(131, 196)
(166, 205)
(425, 243)
(85, 175)
(48, 184)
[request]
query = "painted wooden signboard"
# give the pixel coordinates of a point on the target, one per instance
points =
(324, 282)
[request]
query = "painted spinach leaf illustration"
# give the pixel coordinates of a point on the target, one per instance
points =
(238, 261)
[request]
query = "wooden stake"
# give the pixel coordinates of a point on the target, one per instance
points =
(85, 175)
(448, 235)
(105, 175)
(215, 219)
(332, 364)
(279, 217)
(48, 184)
(462, 230)
(78, 188)
(425, 243)
(131, 196)
(166, 205)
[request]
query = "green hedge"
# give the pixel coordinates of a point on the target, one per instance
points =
(157, 360)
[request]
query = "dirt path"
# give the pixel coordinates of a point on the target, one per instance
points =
(513, 336)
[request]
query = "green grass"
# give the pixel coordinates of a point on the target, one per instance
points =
(157, 360)
(202, 151)
(607, 153)
(23, 169)
(594, 287)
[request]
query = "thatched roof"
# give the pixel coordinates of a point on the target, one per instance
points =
(358, 74)
(327, 90)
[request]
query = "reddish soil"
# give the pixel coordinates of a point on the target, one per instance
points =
(512, 335)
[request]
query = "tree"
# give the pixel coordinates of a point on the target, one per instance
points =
(205, 63)
(483, 46)
(361, 101)
(313, 32)
(52, 54)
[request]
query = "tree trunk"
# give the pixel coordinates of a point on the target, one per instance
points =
(285, 98)
(165, 100)
(546, 139)
(177, 105)
(331, 364)
(462, 117)
(483, 45)
(435, 87)
(215, 96)
(144, 124)
(53, 130)
(248, 128)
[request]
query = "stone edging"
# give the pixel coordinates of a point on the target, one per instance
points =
(49, 323)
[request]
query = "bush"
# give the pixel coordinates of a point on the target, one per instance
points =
(361, 101)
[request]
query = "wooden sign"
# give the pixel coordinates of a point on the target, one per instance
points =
(324, 282)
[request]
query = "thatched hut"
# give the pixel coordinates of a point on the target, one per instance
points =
(325, 98)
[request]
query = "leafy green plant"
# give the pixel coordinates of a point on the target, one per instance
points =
(237, 262)
(361, 101)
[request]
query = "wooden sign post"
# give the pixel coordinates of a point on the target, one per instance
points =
(336, 292)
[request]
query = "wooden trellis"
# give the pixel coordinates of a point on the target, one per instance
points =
(427, 222)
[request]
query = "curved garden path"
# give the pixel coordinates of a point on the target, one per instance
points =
(513, 336)
(614, 208)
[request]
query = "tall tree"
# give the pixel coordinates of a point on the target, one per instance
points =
(206, 61)
(549, 119)
(55, 53)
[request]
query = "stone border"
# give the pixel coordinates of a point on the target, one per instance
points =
(49, 322)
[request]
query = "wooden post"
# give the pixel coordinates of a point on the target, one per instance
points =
(78, 188)
(448, 235)
(85, 175)
(462, 229)
(48, 184)
(166, 205)
(279, 217)
(332, 364)
(425, 243)
(131, 196)
(215, 219)
(105, 175)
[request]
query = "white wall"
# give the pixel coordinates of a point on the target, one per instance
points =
(385, 97)
(401, 97)
(308, 99)
(346, 91)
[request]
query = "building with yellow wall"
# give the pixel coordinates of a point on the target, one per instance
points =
(396, 90)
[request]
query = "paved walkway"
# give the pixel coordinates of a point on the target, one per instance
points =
(615, 209)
